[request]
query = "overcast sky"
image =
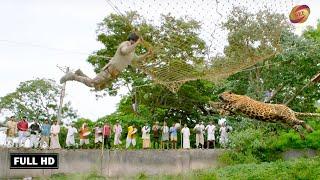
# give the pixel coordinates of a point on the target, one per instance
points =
(37, 35)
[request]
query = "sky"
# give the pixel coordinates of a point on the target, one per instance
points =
(38, 35)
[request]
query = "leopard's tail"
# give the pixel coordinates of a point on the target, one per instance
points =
(300, 114)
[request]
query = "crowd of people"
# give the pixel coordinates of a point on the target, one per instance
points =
(46, 135)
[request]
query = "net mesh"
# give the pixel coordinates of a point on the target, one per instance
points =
(204, 39)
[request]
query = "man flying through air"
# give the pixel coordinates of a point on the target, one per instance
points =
(123, 57)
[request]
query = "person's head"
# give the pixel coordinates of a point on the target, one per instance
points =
(164, 123)
(210, 122)
(24, 118)
(55, 122)
(117, 122)
(202, 122)
(133, 37)
(35, 121)
(185, 125)
(133, 126)
(46, 121)
(157, 122)
(146, 124)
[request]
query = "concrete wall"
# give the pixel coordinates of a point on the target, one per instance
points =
(117, 163)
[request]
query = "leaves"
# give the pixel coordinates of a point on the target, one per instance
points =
(36, 99)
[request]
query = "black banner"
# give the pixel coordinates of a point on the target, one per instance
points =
(34, 160)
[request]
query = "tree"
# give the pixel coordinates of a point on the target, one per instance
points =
(36, 99)
(313, 33)
(288, 73)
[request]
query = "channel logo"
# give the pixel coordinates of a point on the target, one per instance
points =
(299, 14)
(34, 160)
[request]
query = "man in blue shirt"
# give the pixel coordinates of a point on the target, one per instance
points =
(173, 136)
(45, 134)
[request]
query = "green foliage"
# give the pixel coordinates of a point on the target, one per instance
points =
(253, 34)
(296, 169)
(313, 33)
(36, 99)
(81, 176)
(286, 73)
(260, 142)
(63, 136)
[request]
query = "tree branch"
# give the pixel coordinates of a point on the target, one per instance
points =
(312, 80)
(275, 92)
(298, 92)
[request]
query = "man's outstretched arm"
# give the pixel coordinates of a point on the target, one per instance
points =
(129, 48)
(144, 56)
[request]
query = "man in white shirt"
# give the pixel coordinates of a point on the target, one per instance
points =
(70, 136)
(210, 134)
(186, 134)
(146, 136)
(224, 133)
(55, 130)
(117, 129)
(123, 57)
(199, 130)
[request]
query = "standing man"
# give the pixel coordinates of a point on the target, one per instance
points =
(45, 134)
(123, 57)
(55, 130)
(146, 136)
(186, 135)
(70, 142)
(98, 135)
(35, 132)
(117, 129)
(223, 135)
(164, 136)
(199, 129)
(22, 128)
(84, 135)
(131, 137)
(12, 129)
(173, 136)
(210, 132)
(156, 135)
(107, 135)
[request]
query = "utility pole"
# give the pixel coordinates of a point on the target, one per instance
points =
(62, 94)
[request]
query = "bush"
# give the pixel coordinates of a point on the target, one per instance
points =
(264, 142)
(297, 169)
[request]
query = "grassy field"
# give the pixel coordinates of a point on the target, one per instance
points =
(295, 169)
